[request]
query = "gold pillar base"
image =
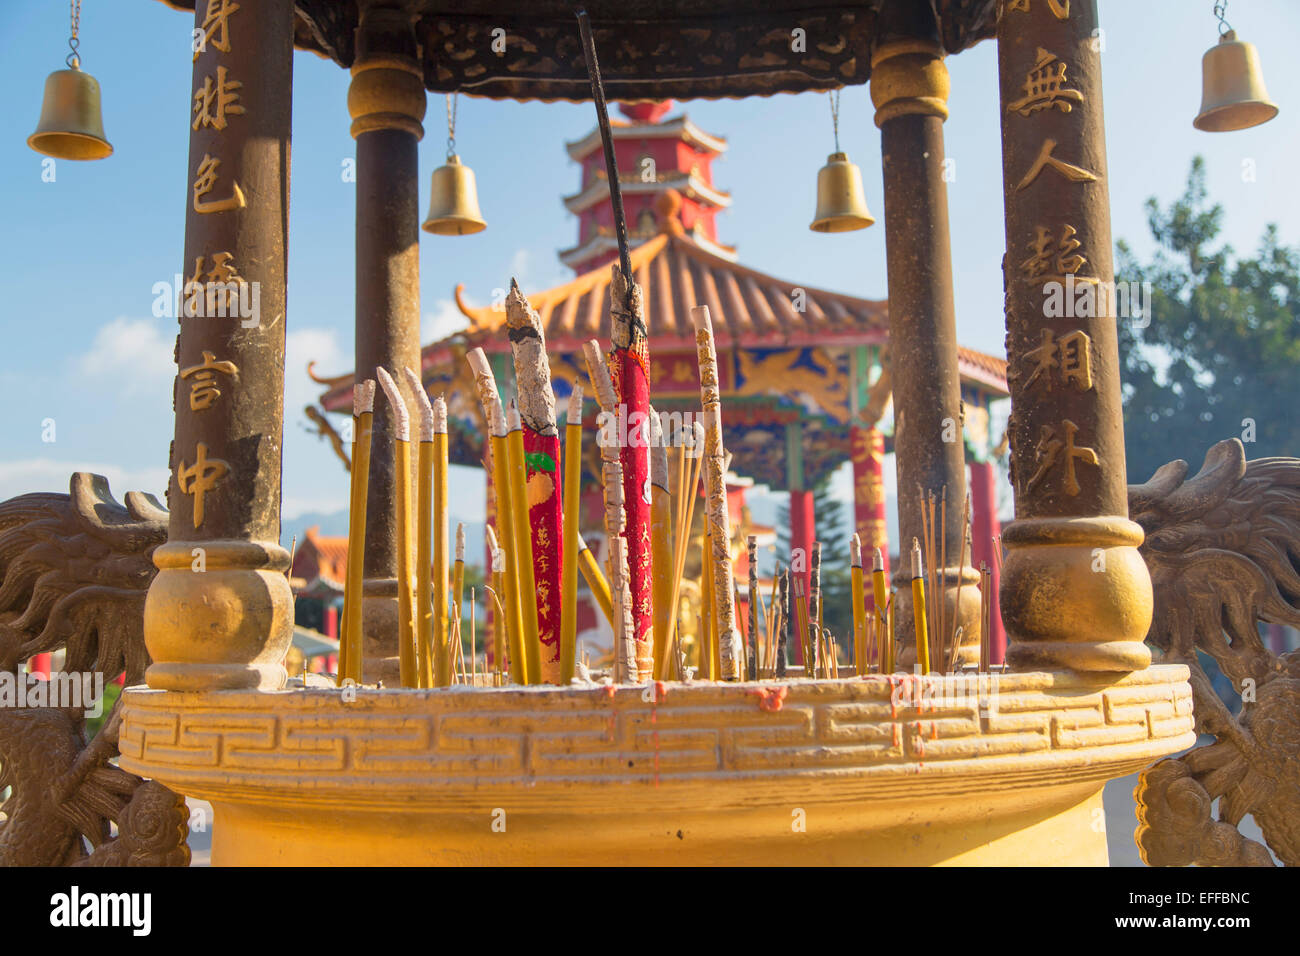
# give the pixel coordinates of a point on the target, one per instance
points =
(901, 771)
(1076, 593)
(218, 615)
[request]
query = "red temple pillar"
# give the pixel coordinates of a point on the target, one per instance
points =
(984, 526)
(868, 452)
(803, 531)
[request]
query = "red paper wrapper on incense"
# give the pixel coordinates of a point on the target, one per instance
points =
(536, 402)
(629, 370)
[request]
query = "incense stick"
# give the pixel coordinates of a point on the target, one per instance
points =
(363, 404)
(819, 663)
(523, 541)
(858, 601)
(541, 476)
(919, 610)
(661, 521)
(426, 632)
(405, 586)
(572, 498)
(715, 485)
(596, 581)
(751, 551)
(783, 625)
(615, 519)
(490, 399)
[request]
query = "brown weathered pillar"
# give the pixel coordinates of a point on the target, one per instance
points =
(1075, 592)
(387, 102)
(220, 613)
(909, 87)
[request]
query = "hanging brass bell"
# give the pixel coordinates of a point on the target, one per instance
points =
(1232, 88)
(453, 205)
(71, 125)
(841, 203)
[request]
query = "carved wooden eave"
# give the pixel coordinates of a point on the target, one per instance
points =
(649, 49)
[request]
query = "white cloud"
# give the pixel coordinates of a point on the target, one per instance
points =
(445, 319)
(309, 345)
(134, 353)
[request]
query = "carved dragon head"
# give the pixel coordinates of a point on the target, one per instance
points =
(74, 571)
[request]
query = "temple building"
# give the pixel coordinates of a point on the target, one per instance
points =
(797, 365)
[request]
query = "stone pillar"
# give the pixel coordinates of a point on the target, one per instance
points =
(219, 614)
(984, 526)
(909, 87)
(387, 102)
(1075, 591)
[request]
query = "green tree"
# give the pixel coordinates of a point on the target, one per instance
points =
(1216, 353)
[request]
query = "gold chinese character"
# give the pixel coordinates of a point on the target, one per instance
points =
(1076, 359)
(1045, 87)
(200, 478)
(1075, 174)
(215, 19)
(204, 390)
(1075, 353)
(1053, 261)
(1049, 452)
(206, 179)
(1060, 8)
(220, 292)
(223, 97)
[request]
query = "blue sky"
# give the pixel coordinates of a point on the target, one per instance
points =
(80, 256)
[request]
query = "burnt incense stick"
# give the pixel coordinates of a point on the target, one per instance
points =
(405, 552)
(529, 600)
(858, 603)
(541, 455)
(625, 664)
(715, 485)
(426, 633)
(363, 407)
(596, 581)
(490, 399)
(751, 549)
(572, 498)
(607, 142)
(500, 621)
(819, 664)
(783, 624)
(661, 523)
(919, 609)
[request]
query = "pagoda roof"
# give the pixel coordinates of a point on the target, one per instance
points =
(690, 184)
(604, 242)
(749, 309)
(678, 127)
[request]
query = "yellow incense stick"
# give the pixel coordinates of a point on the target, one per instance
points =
(891, 638)
(595, 579)
(458, 587)
(661, 545)
(686, 493)
(569, 572)
(501, 641)
(491, 402)
(918, 609)
(523, 539)
(405, 557)
(442, 676)
(706, 654)
(880, 592)
(859, 602)
(425, 632)
(363, 403)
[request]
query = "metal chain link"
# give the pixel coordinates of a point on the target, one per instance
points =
(74, 59)
(835, 116)
(1221, 11)
(452, 105)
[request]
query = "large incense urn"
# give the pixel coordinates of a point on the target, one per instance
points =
(974, 770)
